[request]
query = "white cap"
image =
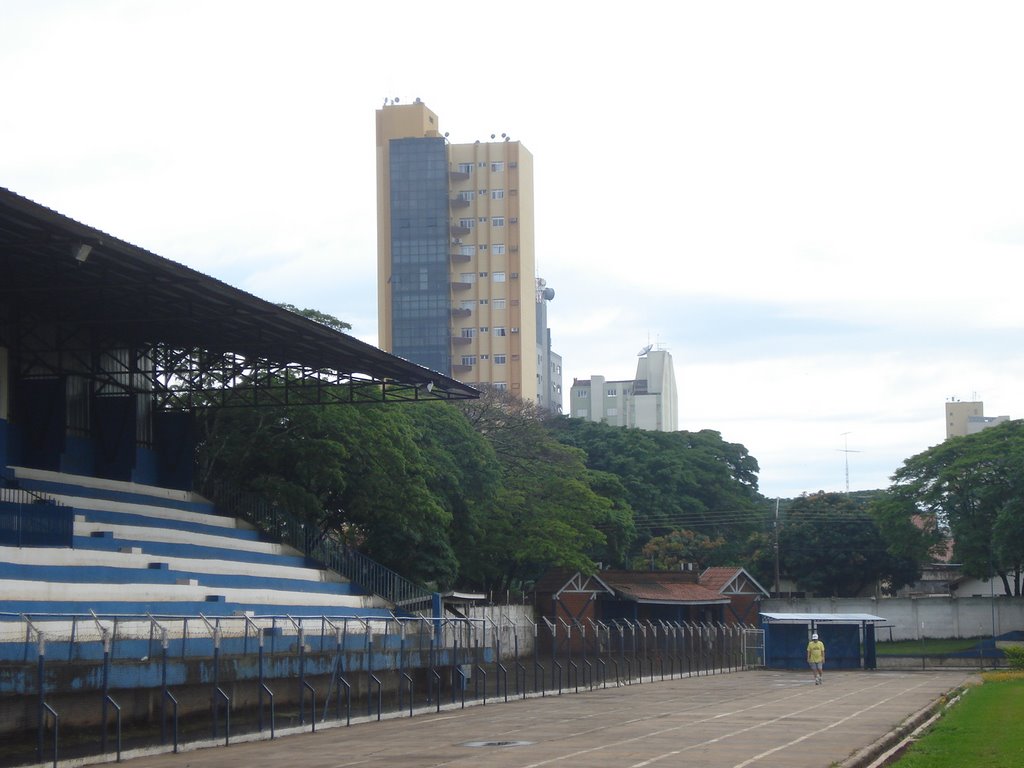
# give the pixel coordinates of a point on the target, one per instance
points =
(814, 636)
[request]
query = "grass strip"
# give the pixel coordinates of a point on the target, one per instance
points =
(981, 731)
(925, 647)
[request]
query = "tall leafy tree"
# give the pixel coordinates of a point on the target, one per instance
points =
(549, 510)
(677, 481)
(972, 489)
(831, 546)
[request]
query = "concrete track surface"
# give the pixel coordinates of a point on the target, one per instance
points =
(761, 718)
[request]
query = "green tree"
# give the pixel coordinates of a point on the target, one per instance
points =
(549, 510)
(358, 474)
(830, 545)
(676, 480)
(668, 552)
(972, 489)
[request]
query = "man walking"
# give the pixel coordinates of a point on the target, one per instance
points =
(816, 657)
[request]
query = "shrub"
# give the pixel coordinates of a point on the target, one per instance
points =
(1014, 656)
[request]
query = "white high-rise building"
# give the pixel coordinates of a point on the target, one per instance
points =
(647, 402)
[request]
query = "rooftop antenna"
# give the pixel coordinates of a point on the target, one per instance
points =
(847, 450)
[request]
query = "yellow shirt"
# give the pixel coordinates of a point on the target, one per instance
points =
(815, 651)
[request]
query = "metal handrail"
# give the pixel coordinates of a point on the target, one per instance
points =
(117, 710)
(34, 527)
(272, 519)
(56, 728)
(312, 694)
(227, 715)
(174, 702)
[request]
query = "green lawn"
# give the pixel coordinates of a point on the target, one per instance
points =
(982, 730)
(926, 647)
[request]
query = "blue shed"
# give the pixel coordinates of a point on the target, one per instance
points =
(849, 639)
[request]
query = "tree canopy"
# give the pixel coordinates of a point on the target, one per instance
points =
(830, 545)
(971, 490)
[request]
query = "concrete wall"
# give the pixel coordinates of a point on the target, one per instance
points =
(912, 618)
(514, 623)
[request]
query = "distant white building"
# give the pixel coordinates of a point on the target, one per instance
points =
(647, 402)
(967, 418)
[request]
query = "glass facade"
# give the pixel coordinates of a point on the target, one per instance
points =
(420, 241)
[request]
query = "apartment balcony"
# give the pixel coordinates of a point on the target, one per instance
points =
(460, 258)
(461, 286)
(458, 175)
(461, 368)
(459, 202)
(459, 231)
(461, 341)
(461, 312)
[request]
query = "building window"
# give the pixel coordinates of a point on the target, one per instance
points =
(484, 357)
(484, 329)
(483, 274)
(498, 248)
(483, 301)
(497, 194)
(469, 359)
(483, 219)
(497, 167)
(584, 393)
(483, 246)
(499, 359)
(499, 330)
(500, 385)
(611, 392)
(612, 412)
(468, 333)
(499, 303)
(466, 250)
(467, 277)
(467, 194)
(467, 223)
(467, 303)
(497, 221)
(465, 167)
(498, 277)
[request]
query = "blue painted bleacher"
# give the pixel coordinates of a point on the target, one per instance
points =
(138, 549)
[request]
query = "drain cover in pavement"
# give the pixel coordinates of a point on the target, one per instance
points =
(496, 743)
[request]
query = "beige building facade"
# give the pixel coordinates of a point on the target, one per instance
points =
(968, 417)
(457, 290)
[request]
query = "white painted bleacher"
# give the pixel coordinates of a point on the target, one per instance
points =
(146, 549)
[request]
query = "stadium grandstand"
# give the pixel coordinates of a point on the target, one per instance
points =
(114, 574)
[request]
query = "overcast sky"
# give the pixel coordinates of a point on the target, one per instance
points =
(817, 207)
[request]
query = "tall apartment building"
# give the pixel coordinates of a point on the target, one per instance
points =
(456, 284)
(647, 402)
(967, 418)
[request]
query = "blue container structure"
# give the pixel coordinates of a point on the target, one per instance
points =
(849, 639)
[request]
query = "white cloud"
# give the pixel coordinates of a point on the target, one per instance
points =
(816, 207)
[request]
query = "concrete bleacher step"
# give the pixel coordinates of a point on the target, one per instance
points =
(84, 592)
(142, 549)
(92, 558)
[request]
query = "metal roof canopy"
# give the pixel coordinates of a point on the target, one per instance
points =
(69, 294)
(820, 618)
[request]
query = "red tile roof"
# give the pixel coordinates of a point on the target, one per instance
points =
(659, 587)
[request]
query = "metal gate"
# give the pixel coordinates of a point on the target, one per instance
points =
(753, 648)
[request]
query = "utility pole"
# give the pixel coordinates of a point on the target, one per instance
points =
(776, 590)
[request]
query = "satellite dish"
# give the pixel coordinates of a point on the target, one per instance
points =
(645, 350)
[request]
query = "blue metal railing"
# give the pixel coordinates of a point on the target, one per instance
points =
(29, 520)
(278, 522)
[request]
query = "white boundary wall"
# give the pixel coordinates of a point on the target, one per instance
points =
(912, 618)
(513, 621)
